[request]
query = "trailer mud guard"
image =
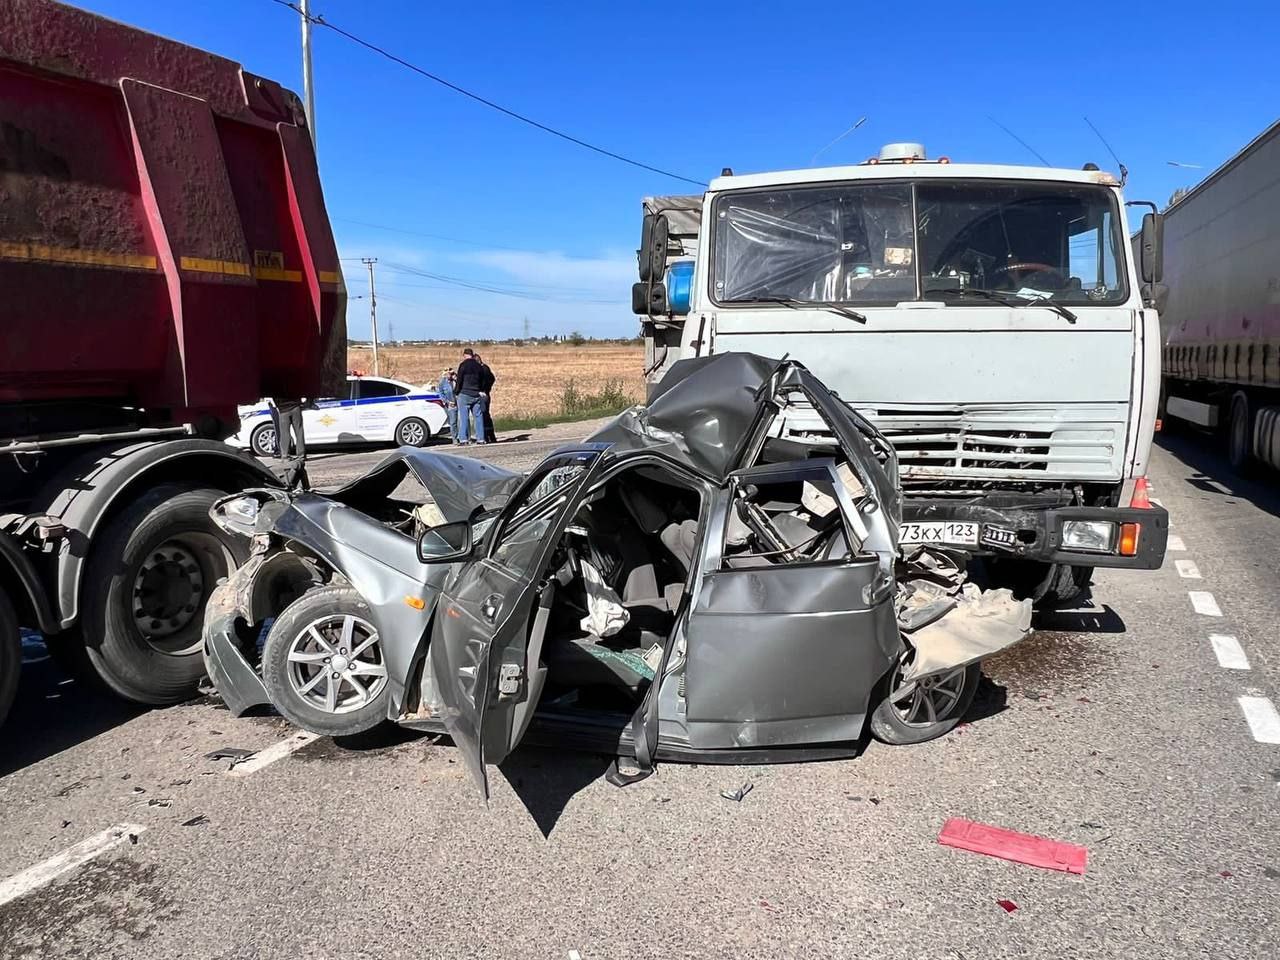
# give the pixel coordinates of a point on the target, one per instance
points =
(83, 494)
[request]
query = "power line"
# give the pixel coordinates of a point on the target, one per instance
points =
(322, 22)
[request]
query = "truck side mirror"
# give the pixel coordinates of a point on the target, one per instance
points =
(649, 299)
(653, 246)
(1152, 255)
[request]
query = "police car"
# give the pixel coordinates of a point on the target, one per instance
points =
(374, 409)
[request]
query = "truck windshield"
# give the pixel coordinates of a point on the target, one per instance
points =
(887, 242)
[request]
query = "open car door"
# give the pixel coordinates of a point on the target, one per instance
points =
(486, 640)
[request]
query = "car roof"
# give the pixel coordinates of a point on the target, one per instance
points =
(398, 383)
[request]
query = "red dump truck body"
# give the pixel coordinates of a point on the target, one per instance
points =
(163, 237)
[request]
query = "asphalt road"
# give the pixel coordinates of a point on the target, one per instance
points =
(1115, 726)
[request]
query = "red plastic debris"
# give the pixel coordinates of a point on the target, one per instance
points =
(1007, 905)
(1011, 845)
(1225, 874)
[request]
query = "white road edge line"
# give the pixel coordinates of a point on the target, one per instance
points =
(1230, 654)
(32, 878)
(1202, 602)
(1174, 544)
(1187, 569)
(277, 751)
(1264, 722)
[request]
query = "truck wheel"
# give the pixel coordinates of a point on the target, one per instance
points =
(10, 655)
(263, 440)
(412, 432)
(322, 664)
(932, 707)
(148, 578)
(1068, 583)
(1240, 435)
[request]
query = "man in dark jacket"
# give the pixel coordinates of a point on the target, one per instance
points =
(471, 377)
(486, 400)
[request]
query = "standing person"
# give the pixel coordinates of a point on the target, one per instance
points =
(450, 398)
(470, 376)
(486, 388)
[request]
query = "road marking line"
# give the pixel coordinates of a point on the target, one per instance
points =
(1155, 501)
(277, 751)
(1220, 487)
(20, 884)
(1202, 602)
(1175, 543)
(1229, 652)
(1264, 722)
(1187, 569)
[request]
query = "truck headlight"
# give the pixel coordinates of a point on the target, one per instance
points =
(1096, 536)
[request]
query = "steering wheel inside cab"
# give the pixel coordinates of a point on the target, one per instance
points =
(1041, 276)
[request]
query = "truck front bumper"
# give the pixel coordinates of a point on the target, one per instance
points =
(1034, 532)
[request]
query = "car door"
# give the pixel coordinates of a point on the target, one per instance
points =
(786, 650)
(378, 407)
(326, 418)
(479, 656)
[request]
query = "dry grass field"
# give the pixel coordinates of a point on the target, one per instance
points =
(536, 383)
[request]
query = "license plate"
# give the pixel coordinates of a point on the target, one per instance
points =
(939, 531)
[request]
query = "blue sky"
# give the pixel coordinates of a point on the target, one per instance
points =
(692, 88)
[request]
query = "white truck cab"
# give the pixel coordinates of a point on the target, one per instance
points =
(989, 320)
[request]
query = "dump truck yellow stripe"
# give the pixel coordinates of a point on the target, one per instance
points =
(71, 255)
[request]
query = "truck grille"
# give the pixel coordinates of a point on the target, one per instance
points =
(955, 443)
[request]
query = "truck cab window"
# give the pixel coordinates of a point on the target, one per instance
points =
(1028, 240)
(836, 244)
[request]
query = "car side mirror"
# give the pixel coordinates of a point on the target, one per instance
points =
(445, 542)
(652, 255)
(1152, 254)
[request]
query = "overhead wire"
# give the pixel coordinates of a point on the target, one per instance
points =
(320, 21)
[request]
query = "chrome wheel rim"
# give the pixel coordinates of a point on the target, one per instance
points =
(412, 434)
(923, 703)
(335, 664)
(267, 444)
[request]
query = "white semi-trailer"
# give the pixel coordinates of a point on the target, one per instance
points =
(1221, 325)
(990, 320)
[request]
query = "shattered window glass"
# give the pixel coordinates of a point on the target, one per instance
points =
(534, 508)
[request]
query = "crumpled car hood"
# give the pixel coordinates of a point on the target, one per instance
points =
(699, 414)
(458, 485)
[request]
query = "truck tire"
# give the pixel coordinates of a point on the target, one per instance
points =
(1240, 435)
(313, 681)
(1047, 585)
(149, 575)
(10, 655)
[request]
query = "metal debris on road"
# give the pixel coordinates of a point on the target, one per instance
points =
(1010, 845)
(737, 795)
(196, 821)
(230, 753)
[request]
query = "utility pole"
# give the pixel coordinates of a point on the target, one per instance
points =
(373, 310)
(308, 82)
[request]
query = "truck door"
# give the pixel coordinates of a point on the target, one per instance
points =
(479, 644)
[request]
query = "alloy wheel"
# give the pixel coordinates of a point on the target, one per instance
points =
(335, 664)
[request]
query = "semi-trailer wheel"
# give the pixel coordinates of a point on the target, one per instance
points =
(1240, 434)
(149, 576)
(10, 655)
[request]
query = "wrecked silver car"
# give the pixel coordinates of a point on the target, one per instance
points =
(683, 585)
